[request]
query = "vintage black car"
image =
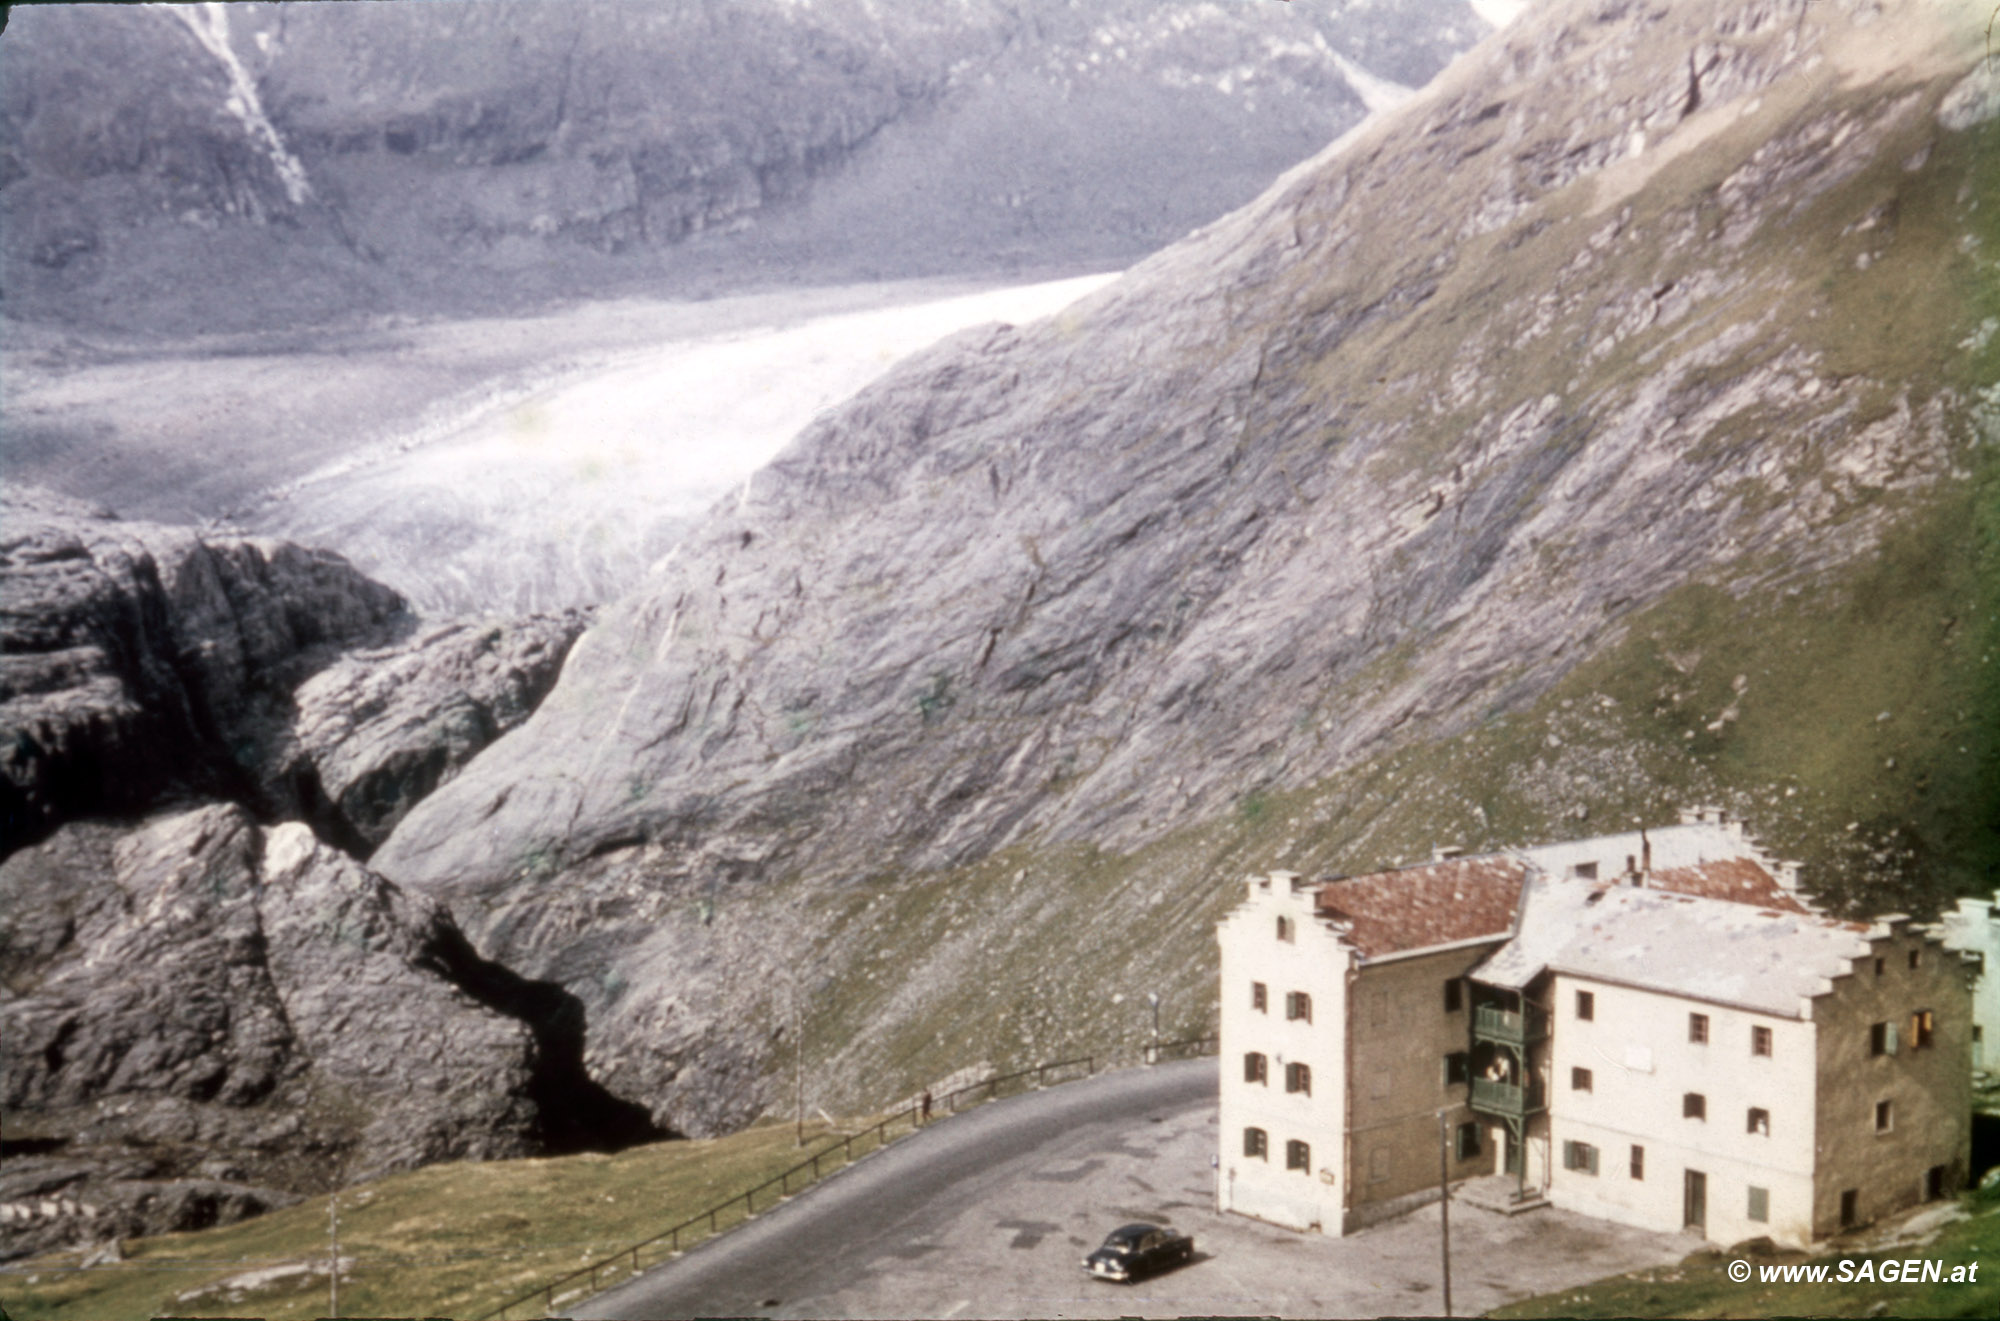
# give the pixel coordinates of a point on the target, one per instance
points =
(1135, 1250)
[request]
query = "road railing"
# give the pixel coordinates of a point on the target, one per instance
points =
(587, 1279)
(723, 1215)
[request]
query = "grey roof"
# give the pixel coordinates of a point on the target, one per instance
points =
(1766, 959)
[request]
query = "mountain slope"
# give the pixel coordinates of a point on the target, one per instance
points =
(229, 167)
(1610, 424)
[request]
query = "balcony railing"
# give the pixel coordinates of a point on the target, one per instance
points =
(1492, 1023)
(1505, 1098)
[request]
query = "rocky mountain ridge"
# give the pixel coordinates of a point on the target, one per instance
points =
(204, 1017)
(1362, 475)
(318, 161)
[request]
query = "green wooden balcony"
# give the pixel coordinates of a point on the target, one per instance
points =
(1505, 1099)
(1492, 1023)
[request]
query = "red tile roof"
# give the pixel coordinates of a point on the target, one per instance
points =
(1433, 904)
(1741, 880)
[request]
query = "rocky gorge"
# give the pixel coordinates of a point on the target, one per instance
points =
(1610, 425)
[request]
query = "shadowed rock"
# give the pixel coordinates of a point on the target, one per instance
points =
(201, 999)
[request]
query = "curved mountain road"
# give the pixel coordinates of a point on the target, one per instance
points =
(888, 1235)
(989, 1214)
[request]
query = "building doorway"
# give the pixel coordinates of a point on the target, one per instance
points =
(1694, 1202)
(1512, 1146)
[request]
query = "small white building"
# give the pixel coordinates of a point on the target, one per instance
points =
(1649, 1027)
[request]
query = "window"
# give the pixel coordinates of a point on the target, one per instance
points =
(1922, 1024)
(1698, 1029)
(1639, 1163)
(1879, 965)
(1284, 927)
(1298, 1078)
(1584, 871)
(1298, 1156)
(1580, 1156)
(1694, 1105)
(1298, 1005)
(1378, 1165)
(1915, 957)
(1457, 1067)
(1760, 1204)
(1468, 1141)
(1882, 1039)
(1760, 1041)
(1848, 1198)
(1260, 997)
(1579, 1080)
(1256, 1142)
(1454, 996)
(1885, 1116)
(1759, 1122)
(1255, 1067)
(1586, 1006)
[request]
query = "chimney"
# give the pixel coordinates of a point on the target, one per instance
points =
(1645, 854)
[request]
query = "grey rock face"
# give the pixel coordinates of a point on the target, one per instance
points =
(467, 154)
(1388, 450)
(379, 728)
(200, 999)
(142, 660)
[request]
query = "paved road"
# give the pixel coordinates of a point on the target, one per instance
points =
(990, 1213)
(879, 1216)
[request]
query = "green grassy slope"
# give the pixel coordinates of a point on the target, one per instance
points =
(449, 1240)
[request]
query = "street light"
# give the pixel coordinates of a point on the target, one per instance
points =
(1153, 999)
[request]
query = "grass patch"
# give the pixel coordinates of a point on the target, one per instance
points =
(448, 1240)
(1701, 1287)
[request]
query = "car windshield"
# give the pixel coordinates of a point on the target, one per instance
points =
(1127, 1238)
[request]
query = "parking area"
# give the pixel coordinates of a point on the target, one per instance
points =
(1014, 1244)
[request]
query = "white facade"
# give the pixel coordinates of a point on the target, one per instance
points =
(1308, 960)
(1642, 1065)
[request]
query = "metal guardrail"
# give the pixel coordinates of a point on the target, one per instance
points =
(812, 1169)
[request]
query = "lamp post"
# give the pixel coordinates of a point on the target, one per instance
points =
(1444, 1201)
(1153, 999)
